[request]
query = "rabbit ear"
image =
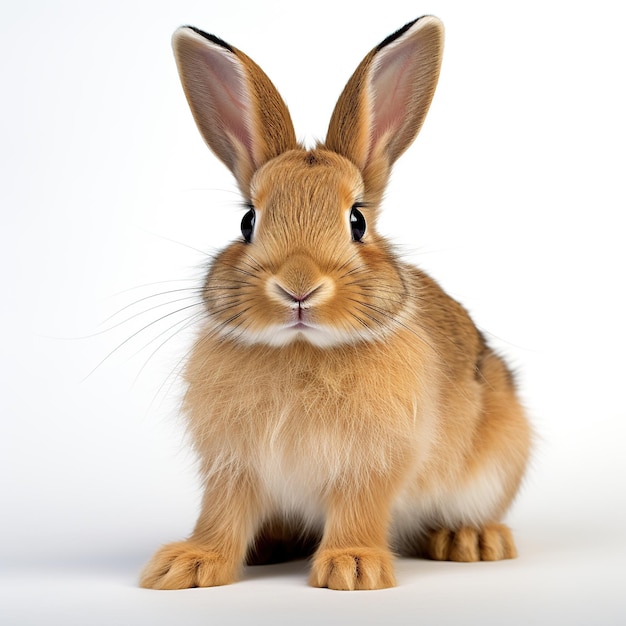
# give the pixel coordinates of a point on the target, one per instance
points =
(237, 109)
(384, 103)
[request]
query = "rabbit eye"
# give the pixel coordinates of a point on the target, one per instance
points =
(247, 225)
(357, 223)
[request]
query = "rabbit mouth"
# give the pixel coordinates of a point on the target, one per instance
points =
(281, 335)
(299, 326)
(302, 326)
(319, 336)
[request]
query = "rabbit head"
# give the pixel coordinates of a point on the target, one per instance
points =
(310, 265)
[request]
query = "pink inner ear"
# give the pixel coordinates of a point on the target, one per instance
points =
(391, 89)
(228, 94)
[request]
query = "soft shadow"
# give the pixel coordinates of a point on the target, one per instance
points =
(293, 569)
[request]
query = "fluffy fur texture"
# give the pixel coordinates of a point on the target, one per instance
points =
(342, 405)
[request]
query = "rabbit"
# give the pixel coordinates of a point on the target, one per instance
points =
(342, 406)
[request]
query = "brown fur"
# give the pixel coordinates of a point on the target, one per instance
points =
(393, 426)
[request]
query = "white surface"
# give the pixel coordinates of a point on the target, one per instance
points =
(512, 197)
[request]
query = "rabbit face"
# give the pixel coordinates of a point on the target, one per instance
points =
(311, 267)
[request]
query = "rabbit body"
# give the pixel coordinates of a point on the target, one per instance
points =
(339, 401)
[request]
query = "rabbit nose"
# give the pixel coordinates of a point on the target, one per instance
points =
(294, 297)
(299, 283)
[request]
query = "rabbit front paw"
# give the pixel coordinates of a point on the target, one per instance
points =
(183, 565)
(353, 568)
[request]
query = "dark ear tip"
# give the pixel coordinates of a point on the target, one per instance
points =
(211, 38)
(400, 32)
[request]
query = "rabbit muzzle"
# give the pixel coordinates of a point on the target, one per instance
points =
(299, 288)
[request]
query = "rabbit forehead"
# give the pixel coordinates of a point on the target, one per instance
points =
(306, 182)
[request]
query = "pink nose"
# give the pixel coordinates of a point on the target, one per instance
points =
(292, 297)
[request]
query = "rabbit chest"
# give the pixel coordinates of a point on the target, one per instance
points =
(301, 419)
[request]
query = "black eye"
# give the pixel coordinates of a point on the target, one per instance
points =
(247, 225)
(357, 224)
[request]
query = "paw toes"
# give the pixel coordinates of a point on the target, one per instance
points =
(439, 544)
(180, 575)
(342, 573)
(184, 565)
(491, 543)
(349, 570)
(464, 548)
(496, 542)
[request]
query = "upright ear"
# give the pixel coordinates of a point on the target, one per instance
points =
(383, 105)
(236, 107)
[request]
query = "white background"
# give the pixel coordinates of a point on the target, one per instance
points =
(512, 197)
